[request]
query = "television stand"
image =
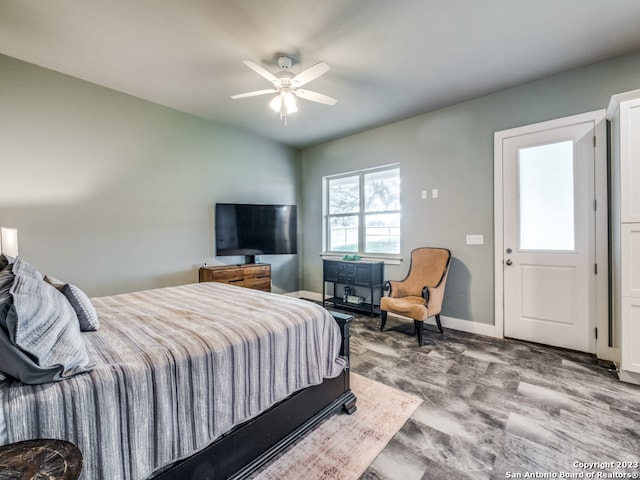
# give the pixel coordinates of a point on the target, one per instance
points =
(255, 275)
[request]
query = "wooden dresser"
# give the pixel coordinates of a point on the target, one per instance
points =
(248, 275)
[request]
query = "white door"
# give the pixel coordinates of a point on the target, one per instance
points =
(549, 236)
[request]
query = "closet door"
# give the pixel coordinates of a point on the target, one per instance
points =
(630, 161)
(630, 265)
(630, 334)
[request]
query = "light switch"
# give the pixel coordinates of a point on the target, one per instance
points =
(475, 239)
(424, 194)
(434, 193)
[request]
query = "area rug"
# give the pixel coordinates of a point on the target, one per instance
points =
(343, 446)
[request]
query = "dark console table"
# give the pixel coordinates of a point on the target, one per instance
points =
(360, 273)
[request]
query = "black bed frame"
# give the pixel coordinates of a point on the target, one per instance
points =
(249, 446)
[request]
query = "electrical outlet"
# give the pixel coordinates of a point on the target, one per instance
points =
(434, 193)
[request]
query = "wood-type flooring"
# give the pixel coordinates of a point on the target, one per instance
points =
(496, 409)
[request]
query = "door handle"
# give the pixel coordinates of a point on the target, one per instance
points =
(509, 262)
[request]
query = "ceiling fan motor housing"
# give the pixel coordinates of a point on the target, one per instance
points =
(285, 78)
(285, 62)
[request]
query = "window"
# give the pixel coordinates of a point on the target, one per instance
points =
(545, 175)
(362, 212)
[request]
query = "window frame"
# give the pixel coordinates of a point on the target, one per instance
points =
(361, 214)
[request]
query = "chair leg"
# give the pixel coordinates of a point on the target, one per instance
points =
(419, 324)
(439, 324)
(383, 319)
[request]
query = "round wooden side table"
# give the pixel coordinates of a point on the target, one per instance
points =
(41, 459)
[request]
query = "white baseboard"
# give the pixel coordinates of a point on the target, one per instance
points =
(306, 294)
(447, 322)
(626, 376)
(469, 326)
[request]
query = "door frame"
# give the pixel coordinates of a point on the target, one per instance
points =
(603, 350)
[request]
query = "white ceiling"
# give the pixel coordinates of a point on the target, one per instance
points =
(389, 59)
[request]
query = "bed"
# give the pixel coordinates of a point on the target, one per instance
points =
(196, 381)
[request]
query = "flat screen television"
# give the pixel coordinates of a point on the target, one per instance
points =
(250, 230)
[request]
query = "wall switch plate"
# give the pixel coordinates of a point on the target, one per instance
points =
(475, 239)
(434, 193)
(424, 194)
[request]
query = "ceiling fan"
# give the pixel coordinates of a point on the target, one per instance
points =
(287, 86)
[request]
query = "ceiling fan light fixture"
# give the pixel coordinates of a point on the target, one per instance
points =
(290, 102)
(286, 84)
(284, 103)
(276, 103)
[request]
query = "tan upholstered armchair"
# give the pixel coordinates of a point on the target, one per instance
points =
(420, 294)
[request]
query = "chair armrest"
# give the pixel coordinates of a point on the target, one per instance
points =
(425, 294)
(435, 296)
(400, 288)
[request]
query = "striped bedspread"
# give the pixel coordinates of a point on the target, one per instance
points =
(174, 369)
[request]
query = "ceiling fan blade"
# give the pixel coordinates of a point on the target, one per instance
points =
(315, 97)
(253, 94)
(262, 71)
(309, 74)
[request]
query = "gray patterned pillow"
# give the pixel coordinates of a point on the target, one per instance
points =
(4, 261)
(87, 315)
(6, 280)
(39, 331)
(22, 367)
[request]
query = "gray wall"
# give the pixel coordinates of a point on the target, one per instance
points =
(114, 193)
(452, 150)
